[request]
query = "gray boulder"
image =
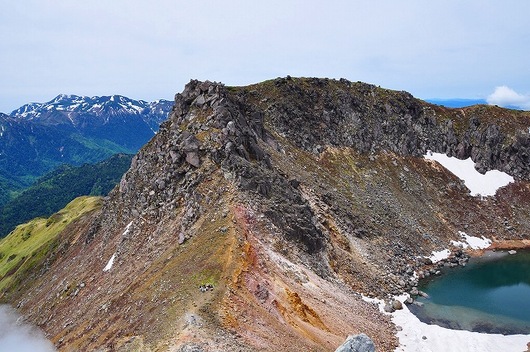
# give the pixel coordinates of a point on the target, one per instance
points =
(397, 305)
(357, 343)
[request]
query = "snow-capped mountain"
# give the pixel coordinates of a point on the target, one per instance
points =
(72, 129)
(79, 110)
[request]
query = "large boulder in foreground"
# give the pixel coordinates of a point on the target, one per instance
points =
(357, 343)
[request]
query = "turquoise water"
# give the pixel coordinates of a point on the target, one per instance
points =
(491, 294)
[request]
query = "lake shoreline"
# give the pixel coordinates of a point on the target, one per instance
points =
(452, 320)
(500, 245)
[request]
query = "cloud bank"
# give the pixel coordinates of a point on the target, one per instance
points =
(507, 97)
(18, 336)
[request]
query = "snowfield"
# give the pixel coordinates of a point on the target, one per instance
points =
(416, 336)
(477, 183)
(471, 242)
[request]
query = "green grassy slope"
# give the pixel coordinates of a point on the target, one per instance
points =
(28, 245)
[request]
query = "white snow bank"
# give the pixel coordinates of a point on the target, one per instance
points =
(467, 242)
(472, 241)
(439, 339)
(127, 228)
(477, 183)
(111, 260)
(110, 263)
(436, 256)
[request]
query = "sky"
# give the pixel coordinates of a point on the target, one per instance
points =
(150, 49)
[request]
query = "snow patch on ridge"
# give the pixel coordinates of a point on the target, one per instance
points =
(437, 256)
(472, 241)
(477, 183)
(111, 260)
(127, 228)
(110, 263)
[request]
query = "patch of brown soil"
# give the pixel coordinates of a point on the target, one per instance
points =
(304, 312)
(275, 304)
(511, 244)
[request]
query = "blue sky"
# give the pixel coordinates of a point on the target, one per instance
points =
(151, 49)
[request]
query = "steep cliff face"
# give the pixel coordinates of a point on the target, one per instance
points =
(282, 201)
(315, 113)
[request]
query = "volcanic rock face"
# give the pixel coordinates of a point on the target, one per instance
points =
(221, 132)
(285, 199)
(369, 119)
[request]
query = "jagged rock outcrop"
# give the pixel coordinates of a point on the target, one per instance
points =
(230, 137)
(289, 197)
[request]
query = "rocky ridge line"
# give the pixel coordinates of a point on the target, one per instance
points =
(237, 129)
(371, 119)
(308, 180)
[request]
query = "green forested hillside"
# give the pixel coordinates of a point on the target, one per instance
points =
(53, 191)
(8, 188)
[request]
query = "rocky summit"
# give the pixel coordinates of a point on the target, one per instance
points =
(258, 215)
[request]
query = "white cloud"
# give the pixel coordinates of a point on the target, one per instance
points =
(16, 335)
(505, 96)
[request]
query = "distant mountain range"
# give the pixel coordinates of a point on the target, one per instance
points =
(99, 116)
(462, 103)
(457, 103)
(38, 137)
